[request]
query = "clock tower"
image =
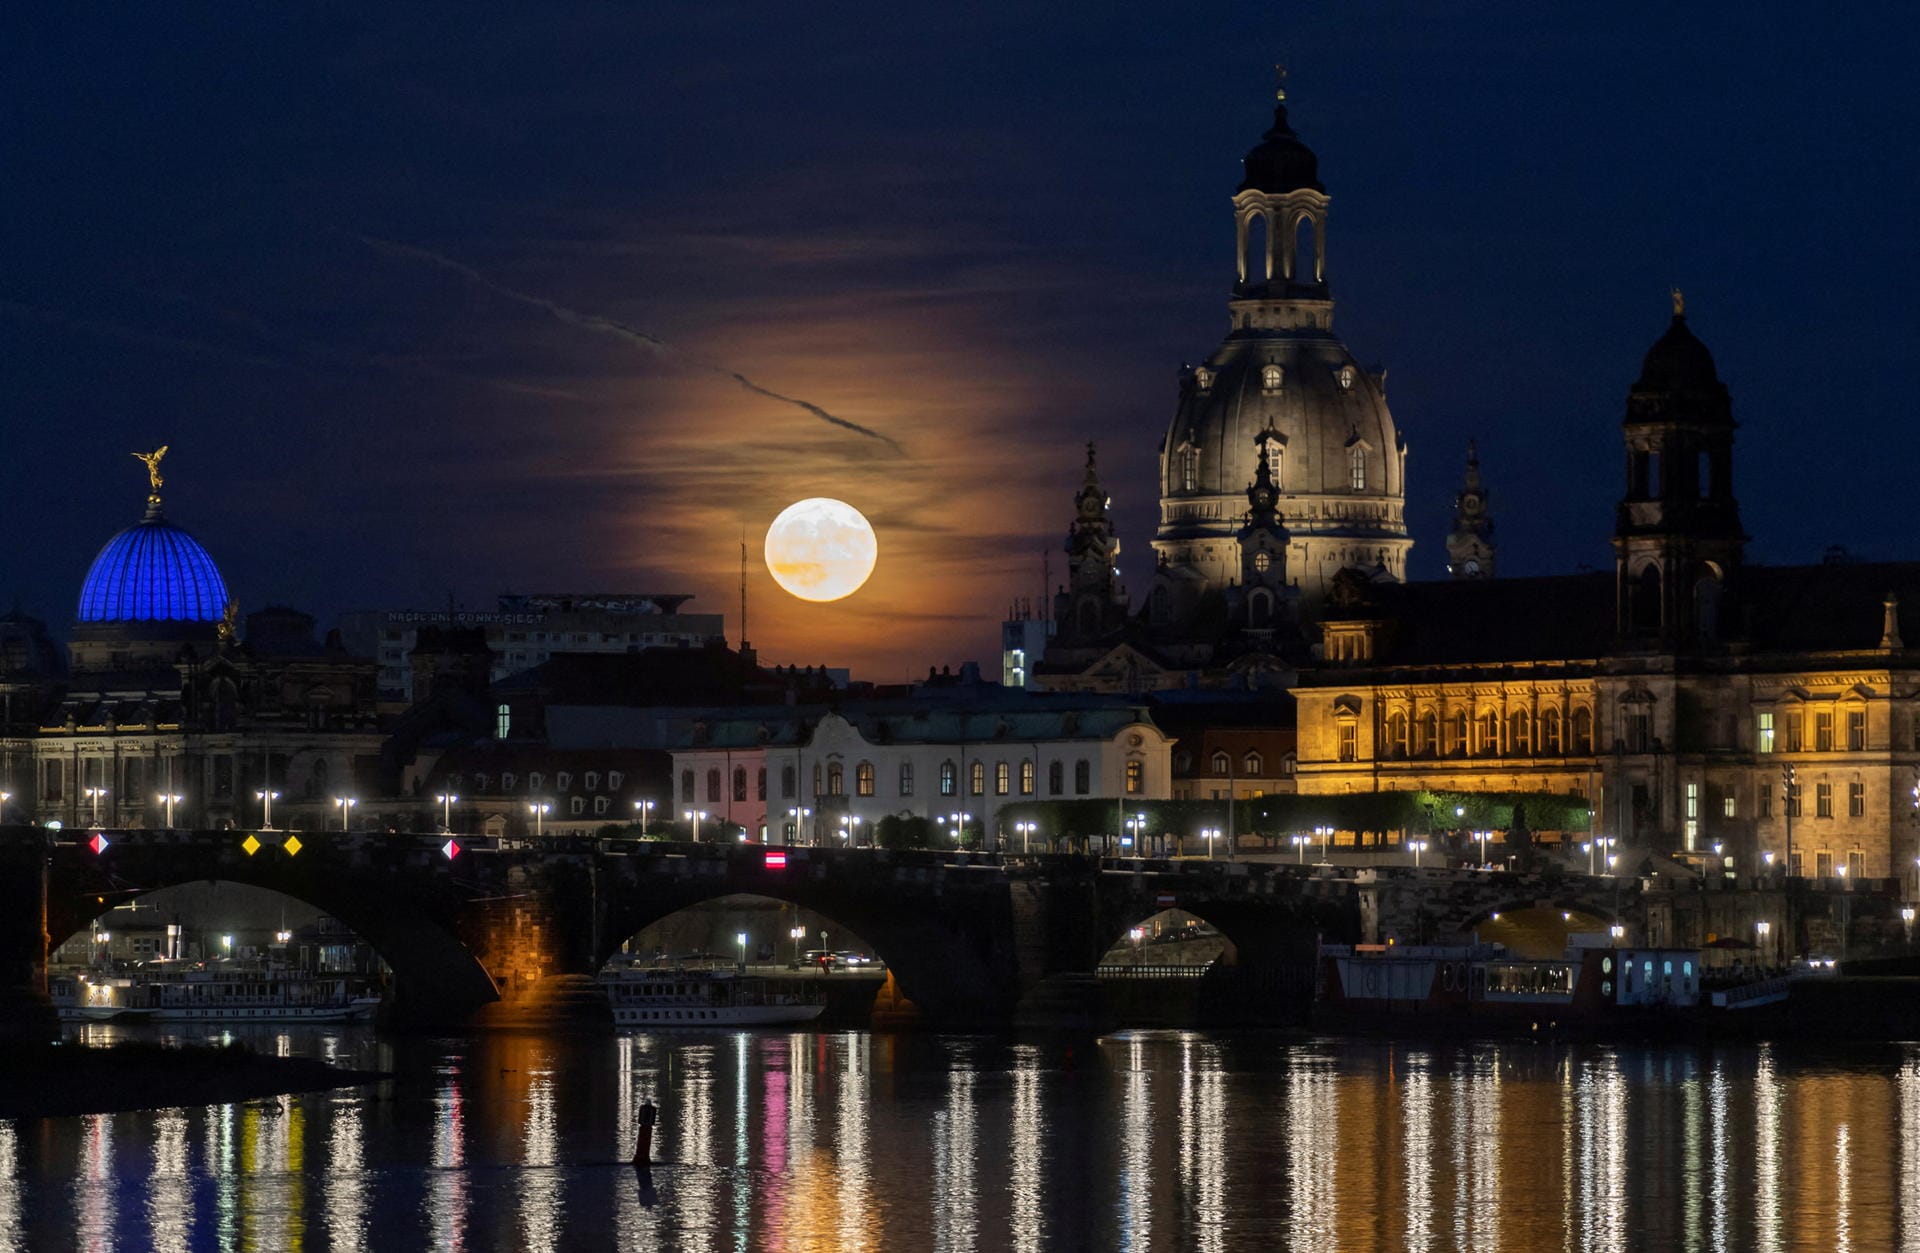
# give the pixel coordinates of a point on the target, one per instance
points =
(1470, 542)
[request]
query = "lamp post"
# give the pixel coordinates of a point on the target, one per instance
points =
(799, 816)
(93, 795)
(850, 829)
(539, 810)
(1482, 837)
(1326, 844)
(345, 804)
(1790, 788)
(643, 808)
(1762, 930)
(1026, 831)
(1210, 834)
(1846, 907)
(1589, 847)
(1906, 920)
(1134, 826)
(1300, 843)
(741, 940)
(796, 934)
(446, 800)
(694, 816)
(266, 798)
(7, 796)
(169, 799)
(1416, 847)
(1139, 937)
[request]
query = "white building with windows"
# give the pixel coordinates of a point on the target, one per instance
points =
(827, 777)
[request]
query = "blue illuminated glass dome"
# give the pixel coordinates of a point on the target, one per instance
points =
(153, 572)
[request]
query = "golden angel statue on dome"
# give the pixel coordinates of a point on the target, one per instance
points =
(152, 460)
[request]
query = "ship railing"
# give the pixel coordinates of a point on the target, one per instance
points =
(1118, 970)
(1760, 993)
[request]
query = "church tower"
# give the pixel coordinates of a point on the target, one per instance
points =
(1263, 547)
(1677, 538)
(1093, 603)
(1335, 459)
(1470, 543)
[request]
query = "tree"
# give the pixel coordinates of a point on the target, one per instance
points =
(903, 831)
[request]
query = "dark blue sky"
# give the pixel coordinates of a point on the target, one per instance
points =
(989, 234)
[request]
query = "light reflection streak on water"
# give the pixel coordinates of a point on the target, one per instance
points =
(1718, 1132)
(1766, 1153)
(851, 1149)
(1024, 1170)
(542, 1200)
(1136, 1162)
(1311, 1137)
(699, 1201)
(1210, 1155)
(94, 1186)
(956, 1206)
(1603, 1131)
(1908, 1197)
(1485, 1202)
(745, 1168)
(1692, 1116)
(346, 1179)
(447, 1196)
(9, 1187)
(1416, 1155)
(1842, 1190)
(220, 1164)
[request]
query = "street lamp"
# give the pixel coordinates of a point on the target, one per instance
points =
(1300, 843)
(1906, 919)
(799, 816)
(4, 798)
(1026, 831)
(643, 808)
(1417, 847)
(1139, 937)
(345, 804)
(796, 934)
(1761, 931)
(1326, 843)
(741, 940)
(694, 816)
(1134, 826)
(94, 794)
(446, 800)
(1482, 837)
(850, 829)
(539, 810)
(226, 942)
(959, 825)
(1588, 847)
(282, 937)
(1210, 834)
(169, 799)
(266, 798)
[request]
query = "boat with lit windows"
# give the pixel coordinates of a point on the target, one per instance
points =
(642, 996)
(1593, 985)
(219, 992)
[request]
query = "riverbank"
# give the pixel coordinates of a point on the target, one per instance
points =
(59, 1080)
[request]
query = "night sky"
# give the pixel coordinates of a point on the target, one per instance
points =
(450, 300)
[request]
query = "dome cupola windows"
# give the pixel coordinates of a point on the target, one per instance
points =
(1272, 377)
(1344, 376)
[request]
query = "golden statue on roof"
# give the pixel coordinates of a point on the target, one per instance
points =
(1679, 305)
(152, 460)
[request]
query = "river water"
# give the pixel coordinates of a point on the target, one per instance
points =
(858, 1141)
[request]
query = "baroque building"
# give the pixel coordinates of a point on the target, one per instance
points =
(1710, 710)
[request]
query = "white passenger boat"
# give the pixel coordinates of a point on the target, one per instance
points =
(644, 997)
(216, 993)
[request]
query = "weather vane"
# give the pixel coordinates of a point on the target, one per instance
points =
(1279, 80)
(154, 481)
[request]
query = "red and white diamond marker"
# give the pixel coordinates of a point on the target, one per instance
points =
(99, 842)
(451, 848)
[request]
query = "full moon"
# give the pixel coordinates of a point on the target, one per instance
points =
(821, 549)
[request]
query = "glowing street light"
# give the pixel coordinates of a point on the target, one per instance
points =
(1416, 847)
(345, 804)
(741, 940)
(643, 808)
(799, 815)
(539, 810)
(1135, 826)
(282, 938)
(1326, 843)
(1210, 834)
(1482, 837)
(1300, 843)
(266, 797)
(94, 795)
(1139, 937)
(7, 796)
(796, 934)
(169, 799)
(959, 823)
(446, 800)
(226, 942)
(850, 829)
(694, 816)
(1026, 830)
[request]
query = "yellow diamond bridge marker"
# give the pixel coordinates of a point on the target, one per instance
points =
(251, 844)
(292, 845)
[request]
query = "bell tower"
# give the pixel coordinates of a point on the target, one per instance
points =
(1470, 543)
(1677, 538)
(1093, 602)
(1280, 222)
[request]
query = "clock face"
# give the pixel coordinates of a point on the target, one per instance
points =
(1471, 504)
(1472, 565)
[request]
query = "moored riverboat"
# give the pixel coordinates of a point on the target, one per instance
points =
(652, 997)
(220, 992)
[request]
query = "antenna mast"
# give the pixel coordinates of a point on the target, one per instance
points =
(743, 590)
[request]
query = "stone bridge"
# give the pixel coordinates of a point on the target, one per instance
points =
(1415, 906)
(967, 938)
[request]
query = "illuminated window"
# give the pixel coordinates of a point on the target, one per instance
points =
(1262, 562)
(1271, 377)
(1189, 469)
(836, 779)
(863, 778)
(906, 778)
(1136, 778)
(1222, 763)
(1002, 778)
(1489, 734)
(1349, 740)
(1028, 778)
(1251, 763)
(1763, 736)
(1357, 468)
(1345, 376)
(1519, 734)
(502, 722)
(949, 779)
(1727, 806)
(1692, 827)
(977, 778)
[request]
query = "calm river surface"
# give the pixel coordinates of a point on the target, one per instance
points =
(852, 1141)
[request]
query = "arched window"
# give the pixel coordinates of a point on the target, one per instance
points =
(713, 784)
(1645, 593)
(739, 783)
(1136, 778)
(1221, 762)
(1189, 468)
(1397, 734)
(502, 721)
(1056, 778)
(1276, 459)
(836, 779)
(1357, 468)
(760, 784)
(949, 779)
(1002, 778)
(1159, 606)
(863, 778)
(1260, 600)
(1582, 732)
(1082, 777)
(1306, 252)
(1251, 763)
(906, 777)
(1706, 607)
(1489, 734)
(1271, 377)
(1426, 734)
(1028, 781)
(977, 778)
(788, 783)
(816, 778)
(1519, 734)
(1256, 265)
(1457, 729)
(536, 781)
(1550, 733)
